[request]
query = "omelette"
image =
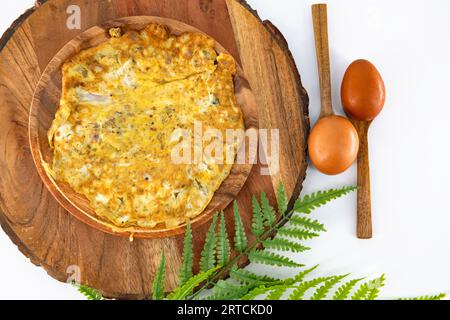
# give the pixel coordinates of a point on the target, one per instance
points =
(125, 105)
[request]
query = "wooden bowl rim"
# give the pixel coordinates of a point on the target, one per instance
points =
(52, 185)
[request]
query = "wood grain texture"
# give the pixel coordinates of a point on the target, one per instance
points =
(364, 207)
(54, 239)
(320, 22)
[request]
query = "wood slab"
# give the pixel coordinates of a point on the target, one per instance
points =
(53, 238)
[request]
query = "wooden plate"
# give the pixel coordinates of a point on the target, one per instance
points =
(46, 100)
(68, 248)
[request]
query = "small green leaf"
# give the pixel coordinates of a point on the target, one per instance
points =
(267, 210)
(343, 291)
(240, 238)
(282, 199)
(271, 259)
(181, 293)
(322, 292)
(223, 244)
(318, 199)
(375, 286)
(256, 292)
(301, 276)
(188, 257)
(208, 259)
(249, 278)
(307, 223)
(296, 233)
(303, 287)
(426, 298)
(158, 282)
(362, 292)
(224, 290)
(278, 292)
(258, 221)
(284, 245)
(88, 292)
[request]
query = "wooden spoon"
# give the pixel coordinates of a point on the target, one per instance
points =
(363, 97)
(333, 142)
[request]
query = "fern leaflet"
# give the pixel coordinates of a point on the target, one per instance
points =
(223, 244)
(256, 292)
(322, 292)
(158, 282)
(282, 199)
(181, 293)
(249, 278)
(267, 210)
(343, 291)
(271, 259)
(310, 202)
(188, 257)
(90, 293)
(224, 290)
(362, 292)
(278, 292)
(425, 298)
(307, 223)
(296, 233)
(284, 245)
(208, 259)
(258, 219)
(240, 238)
(301, 276)
(303, 287)
(375, 287)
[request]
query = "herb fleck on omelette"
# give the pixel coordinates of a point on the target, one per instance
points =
(121, 104)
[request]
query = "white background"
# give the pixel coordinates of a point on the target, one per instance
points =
(409, 42)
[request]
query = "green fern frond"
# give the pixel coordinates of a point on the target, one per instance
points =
(343, 291)
(282, 199)
(224, 290)
(240, 238)
(250, 278)
(362, 292)
(158, 282)
(301, 221)
(427, 298)
(267, 210)
(313, 201)
(284, 245)
(375, 286)
(258, 219)
(303, 287)
(322, 292)
(271, 259)
(301, 276)
(184, 291)
(256, 292)
(278, 292)
(296, 233)
(188, 257)
(90, 293)
(278, 288)
(208, 259)
(223, 244)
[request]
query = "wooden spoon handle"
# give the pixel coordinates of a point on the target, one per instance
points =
(320, 20)
(364, 218)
